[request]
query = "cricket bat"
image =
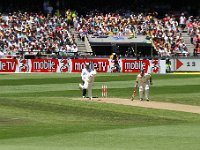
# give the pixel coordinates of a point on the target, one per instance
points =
(134, 94)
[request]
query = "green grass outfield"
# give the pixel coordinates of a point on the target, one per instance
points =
(37, 113)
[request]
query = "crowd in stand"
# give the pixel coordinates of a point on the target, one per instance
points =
(31, 33)
(166, 33)
(108, 24)
(193, 26)
(172, 33)
(112, 24)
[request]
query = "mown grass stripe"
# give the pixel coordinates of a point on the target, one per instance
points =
(106, 75)
(17, 82)
(113, 89)
(159, 137)
(46, 85)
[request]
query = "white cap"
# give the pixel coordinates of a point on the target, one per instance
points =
(87, 64)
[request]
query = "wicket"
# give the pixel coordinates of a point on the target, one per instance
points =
(104, 90)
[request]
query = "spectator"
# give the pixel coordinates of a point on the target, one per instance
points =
(1, 54)
(182, 21)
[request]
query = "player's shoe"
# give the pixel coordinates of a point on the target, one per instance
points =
(141, 99)
(147, 99)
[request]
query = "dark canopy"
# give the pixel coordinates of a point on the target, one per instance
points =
(161, 6)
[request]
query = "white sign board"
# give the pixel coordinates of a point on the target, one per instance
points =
(187, 64)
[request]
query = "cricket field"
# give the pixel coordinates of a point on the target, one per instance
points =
(44, 112)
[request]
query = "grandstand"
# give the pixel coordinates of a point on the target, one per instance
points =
(128, 31)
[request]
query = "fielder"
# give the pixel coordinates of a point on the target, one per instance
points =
(143, 82)
(88, 76)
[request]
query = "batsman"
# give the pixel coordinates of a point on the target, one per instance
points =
(88, 76)
(143, 82)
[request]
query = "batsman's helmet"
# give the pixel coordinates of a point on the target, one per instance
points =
(142, 71)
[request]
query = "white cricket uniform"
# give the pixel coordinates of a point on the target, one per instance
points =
(144, 84)
(84, 74)
(88, 78)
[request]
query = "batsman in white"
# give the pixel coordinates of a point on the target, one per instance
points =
(88, 76)
(143, 82)
(84, 76)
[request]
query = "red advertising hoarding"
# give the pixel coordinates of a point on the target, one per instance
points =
(23, 65)
(63, 65)
(44, 65)
(8, 65)
(134, 66)
(78, 64)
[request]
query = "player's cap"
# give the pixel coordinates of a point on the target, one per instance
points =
(87, 64)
